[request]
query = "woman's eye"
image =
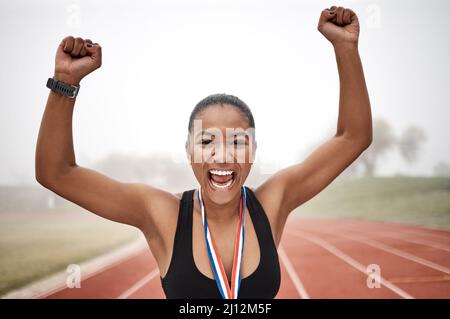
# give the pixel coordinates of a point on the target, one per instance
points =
(206, 142)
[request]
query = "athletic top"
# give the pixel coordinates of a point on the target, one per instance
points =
(183, 279)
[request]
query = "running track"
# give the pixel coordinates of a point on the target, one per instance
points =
(319, 258)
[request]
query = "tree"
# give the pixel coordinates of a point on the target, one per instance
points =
(410, 141)
(441, 169)
(159, 170)
(383, 140)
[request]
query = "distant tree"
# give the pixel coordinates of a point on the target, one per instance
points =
(408, 143)
(441, 169)
(383, 141)
(158, 170)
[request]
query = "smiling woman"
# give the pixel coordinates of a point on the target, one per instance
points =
(197, 237)
(221, 166)
(220, 145)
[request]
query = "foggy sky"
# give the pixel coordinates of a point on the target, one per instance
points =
(161, 57)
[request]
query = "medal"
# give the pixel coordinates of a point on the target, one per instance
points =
(226, 291)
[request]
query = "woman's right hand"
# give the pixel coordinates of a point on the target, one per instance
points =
(76, 58)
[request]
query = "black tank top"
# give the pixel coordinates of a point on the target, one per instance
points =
(184, 281)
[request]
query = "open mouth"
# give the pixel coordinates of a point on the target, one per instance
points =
(221, 179)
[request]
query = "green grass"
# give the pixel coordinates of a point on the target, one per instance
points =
(412, 200)
(36, 244)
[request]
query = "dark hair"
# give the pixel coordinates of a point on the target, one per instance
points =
(221, 99)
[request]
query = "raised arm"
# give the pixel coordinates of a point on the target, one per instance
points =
(292, 186)
(55, 164)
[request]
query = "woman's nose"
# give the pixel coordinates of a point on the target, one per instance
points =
(222, 153)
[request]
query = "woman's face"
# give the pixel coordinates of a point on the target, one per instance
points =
(221, 150)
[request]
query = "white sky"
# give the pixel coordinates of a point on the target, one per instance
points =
(161, 57)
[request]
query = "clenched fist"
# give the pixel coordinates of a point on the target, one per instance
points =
(76, 58)
(340, 26)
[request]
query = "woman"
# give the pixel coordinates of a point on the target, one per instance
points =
(197, 237)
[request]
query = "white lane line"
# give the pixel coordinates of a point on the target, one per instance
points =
(96, 272)
(57, 282)
(422, 242)
(417, 232)
(292, 273)
(423, 233)
(138, 285)
(395, 251)
(427, 243)
(391, 234)
(352, 262)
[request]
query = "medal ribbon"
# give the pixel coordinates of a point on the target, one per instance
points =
(226, 291)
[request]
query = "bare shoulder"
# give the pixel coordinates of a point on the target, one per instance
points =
(269, 196)
(161, 213)
(160, 223)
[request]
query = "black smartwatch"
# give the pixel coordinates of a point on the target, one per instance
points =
(63, 88)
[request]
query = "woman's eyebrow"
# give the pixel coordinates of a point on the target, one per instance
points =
(240, 133)
(202, 133)
(234, 134)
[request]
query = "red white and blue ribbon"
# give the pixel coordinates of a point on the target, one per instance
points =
(226, 291)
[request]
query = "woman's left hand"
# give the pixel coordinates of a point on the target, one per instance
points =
(340, 26)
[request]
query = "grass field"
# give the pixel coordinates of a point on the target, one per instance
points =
(34, 244)
(413, 200)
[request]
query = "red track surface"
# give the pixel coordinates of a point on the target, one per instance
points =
(319, 258)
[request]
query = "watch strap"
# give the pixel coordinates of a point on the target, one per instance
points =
(62, 88)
